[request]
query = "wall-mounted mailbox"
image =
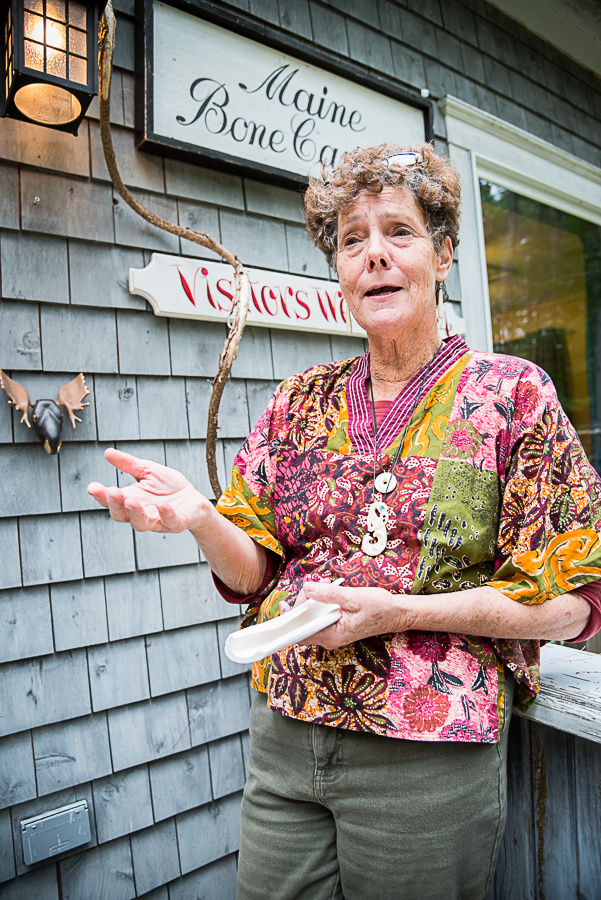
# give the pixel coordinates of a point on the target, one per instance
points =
(55, 832)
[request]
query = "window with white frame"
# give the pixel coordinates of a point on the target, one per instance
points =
(531, 275)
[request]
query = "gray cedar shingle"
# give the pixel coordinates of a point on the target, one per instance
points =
(195, 183)
(78, 613)
(291, 355)
(218, 709)
(259, 394)
(182, 658)
(47, 279)
(102, 872)
(267, 10)
(155, 856)
(124, 48)
(122, 803)
(418, 34)
(254, 355)
(50, 548)
(189, 457)
(160, 893)
(199, 217)
(346, 347)
(162, 408)
(32, 487)
(45, 690)
(277, 202)
(10, 570)
(369, 47)
(295, 17)
(224, 629)
(9, 191)
(305, 258)
(137, 169)
(20, 336)
(407, 64)
(233, 409)
(180, 782)
(71, 752)
(67, 206)
(143, 344)
(195, 347)
(17, 771)
(25, 623)
(46, 385)
(80, 465)
(258, 242)
(230, 452)
(7, 861)
(131, 230)
(118, 674)
(37, 883)
(116, 401)
(227, 766)
(329, 29)
(107, 545)
(147, 731)
(217, 880)
(190, 597)
(155, 551)
(98, 275)
(6, 421)
(79, 339)
(218, 823)
(116, 110)
(133, 605)
(26, 144)
(128, 87)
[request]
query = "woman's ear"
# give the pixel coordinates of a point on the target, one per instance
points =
(445, 260)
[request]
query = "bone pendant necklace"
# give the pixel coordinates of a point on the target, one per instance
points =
(375, 538)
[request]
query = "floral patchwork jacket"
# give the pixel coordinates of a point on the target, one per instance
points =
(493, 488)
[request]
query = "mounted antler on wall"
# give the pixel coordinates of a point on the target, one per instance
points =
(47, 418)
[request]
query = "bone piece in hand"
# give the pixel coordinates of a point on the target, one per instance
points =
(17, 396)
(71, 395)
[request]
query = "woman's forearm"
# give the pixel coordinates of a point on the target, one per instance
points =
(487, 612)
(234, 557)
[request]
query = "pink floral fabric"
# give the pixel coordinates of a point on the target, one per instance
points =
(493, 488)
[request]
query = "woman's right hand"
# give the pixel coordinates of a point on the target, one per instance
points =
(161, 499)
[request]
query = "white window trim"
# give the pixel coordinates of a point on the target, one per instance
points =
(483, 146)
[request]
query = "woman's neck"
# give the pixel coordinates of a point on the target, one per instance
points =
(393, 365)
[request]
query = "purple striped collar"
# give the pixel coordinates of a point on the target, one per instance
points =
(360, 425)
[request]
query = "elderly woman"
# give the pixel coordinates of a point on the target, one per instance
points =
(450, 492)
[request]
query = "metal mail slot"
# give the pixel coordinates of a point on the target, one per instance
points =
(55, 832)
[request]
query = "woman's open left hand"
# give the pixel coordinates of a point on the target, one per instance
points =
(161, 499)
(366, 611)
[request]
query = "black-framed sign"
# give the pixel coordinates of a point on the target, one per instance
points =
(223, 95)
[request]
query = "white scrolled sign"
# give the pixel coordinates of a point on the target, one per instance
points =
(198, 289)
(238, 100)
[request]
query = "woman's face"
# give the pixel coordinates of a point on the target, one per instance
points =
(387, 265)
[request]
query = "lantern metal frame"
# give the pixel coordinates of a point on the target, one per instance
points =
(16, 74)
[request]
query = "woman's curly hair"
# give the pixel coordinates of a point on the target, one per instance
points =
(433, 182)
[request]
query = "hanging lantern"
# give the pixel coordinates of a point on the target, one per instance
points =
(50, 71)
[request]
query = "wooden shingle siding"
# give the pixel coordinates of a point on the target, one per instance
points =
(115, 687)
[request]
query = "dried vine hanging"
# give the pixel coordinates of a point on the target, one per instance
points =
(237, 319)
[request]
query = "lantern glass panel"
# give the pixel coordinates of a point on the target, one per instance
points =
(77, 15)
(57, 63)
(47, 104)
(56, 35)
(78, 70)
(34, 27)
(35, 6)
(77, 42)
(55, 9)
(34, 56)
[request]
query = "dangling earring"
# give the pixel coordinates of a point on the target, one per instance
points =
(349, 321)
(440, 304)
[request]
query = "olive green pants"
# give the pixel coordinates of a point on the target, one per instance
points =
(330, 814)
